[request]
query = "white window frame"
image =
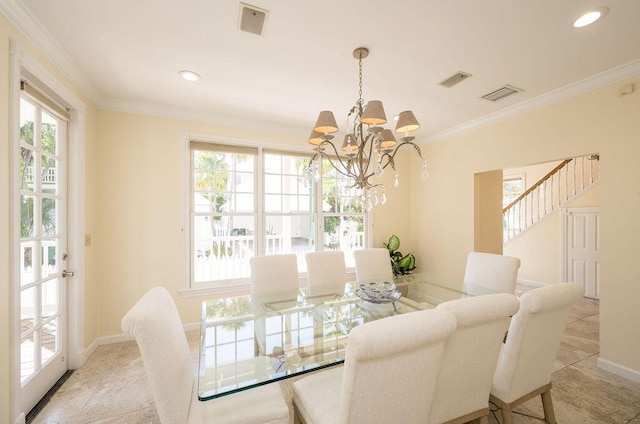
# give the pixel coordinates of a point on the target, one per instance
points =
(243, 285)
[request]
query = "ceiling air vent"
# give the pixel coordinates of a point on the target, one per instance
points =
(455, 79)
(501, 93)
(252, 19)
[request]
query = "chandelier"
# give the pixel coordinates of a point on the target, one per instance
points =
(366, 141)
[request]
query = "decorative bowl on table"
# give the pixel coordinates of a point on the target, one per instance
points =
(378, 292)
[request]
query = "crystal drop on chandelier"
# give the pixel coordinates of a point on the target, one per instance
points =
(379, 170)
(424, 174)
(396, 182)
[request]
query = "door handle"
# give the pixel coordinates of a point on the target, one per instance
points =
(66, 273)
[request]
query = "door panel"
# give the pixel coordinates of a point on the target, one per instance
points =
(43, 239)
(582, 256)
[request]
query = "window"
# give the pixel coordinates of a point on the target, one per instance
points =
(246, 201)
(512, 187)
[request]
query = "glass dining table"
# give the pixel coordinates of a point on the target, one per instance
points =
(252, 340)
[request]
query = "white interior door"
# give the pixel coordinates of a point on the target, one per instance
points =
(42, 250)
(582, 249)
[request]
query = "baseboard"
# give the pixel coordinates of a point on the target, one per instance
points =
(119, 338)
(620, 370)
(87, 352)
(530, 283)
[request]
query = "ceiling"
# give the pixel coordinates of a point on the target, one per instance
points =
(125, 55)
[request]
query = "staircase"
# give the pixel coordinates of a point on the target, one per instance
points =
(565, 182)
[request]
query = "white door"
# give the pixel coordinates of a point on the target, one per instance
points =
(582, 249)
(42, 250)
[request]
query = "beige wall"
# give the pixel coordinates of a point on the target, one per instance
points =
(487, 210)
(599, 121)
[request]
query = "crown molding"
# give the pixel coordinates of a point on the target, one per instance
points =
(196, 115)
(32, 28)
(579, 87)
(40, 37)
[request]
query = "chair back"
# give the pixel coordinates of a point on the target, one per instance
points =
(391, 368)
(373, 264)
(155, 323)
(326, 267)
(471, 354)
(274, 273)
(535, 333)
(498, 273)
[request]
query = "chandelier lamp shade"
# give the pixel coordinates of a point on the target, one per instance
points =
(367, 148)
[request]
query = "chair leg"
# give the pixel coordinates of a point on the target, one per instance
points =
(507, 415)
(547, 406)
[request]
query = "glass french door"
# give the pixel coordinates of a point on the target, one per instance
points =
(42, 250)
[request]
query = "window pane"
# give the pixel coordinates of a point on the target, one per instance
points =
(49, 340)
(26, 263)
(273, 203)
(272, 163)
(304, 203)
(511, 189)
(49, 170)
(50, 298)
(27, 357)
(49, 258)
(202, 201)
(27, 309)
(26, 169)
(244, 202)
(49, 133)
(344, 233)
(290, 234)
(290, 185)
(272, 183)
(27, 118)
(27, 216)
(244, 182)
(222, 247)
(49, 216)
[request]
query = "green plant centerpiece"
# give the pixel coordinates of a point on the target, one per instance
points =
(401, 264)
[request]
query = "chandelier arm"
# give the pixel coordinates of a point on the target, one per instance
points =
(363, 165)
(332, 161)
(390, 155)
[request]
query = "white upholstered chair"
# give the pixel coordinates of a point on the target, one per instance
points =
(274, 273)
(326, 267)
(470, 357)
(526, 361)
(389, 374)
(498, 273)
(373, 264)
(155, 323)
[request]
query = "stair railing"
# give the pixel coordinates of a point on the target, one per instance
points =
(557, 188)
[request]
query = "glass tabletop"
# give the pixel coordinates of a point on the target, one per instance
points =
(248, 341)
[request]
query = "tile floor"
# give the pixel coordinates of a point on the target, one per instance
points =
(111, 387)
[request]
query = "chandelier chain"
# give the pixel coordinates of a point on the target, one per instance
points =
(360, 101)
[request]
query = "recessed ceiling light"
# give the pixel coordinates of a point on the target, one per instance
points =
(590, 17)
(189, 75)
